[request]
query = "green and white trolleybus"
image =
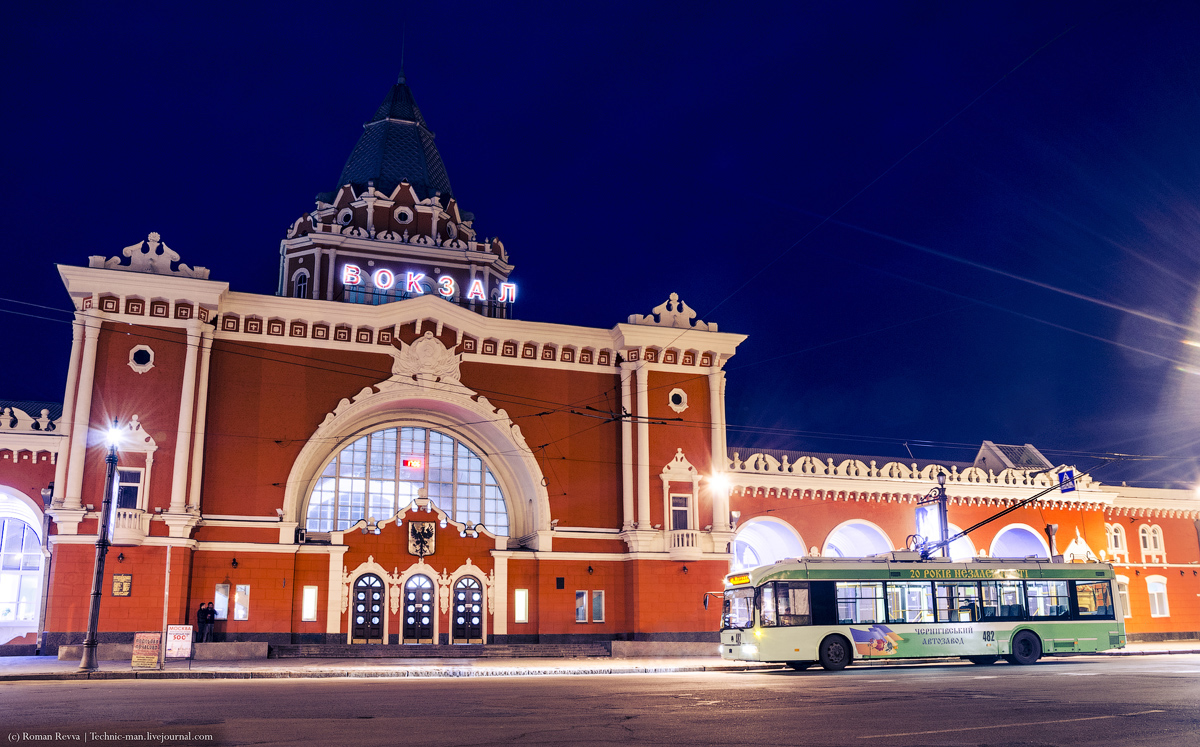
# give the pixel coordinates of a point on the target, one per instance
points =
(896, 606)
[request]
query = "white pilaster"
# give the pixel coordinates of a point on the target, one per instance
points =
(201, 411)
(187, 402)
(500, 594)
(643, 449)
(68, 415)
(716, 397)
(80, 422)
(628, 521)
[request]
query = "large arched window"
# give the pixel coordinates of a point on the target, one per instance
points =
(380, 473)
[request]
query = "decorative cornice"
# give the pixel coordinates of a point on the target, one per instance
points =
(672, 313)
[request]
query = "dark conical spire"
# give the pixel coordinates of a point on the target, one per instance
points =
(397, 145)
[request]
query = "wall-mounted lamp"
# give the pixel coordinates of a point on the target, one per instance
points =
(158, 509)
(235, 562)
(1137, 573)
(121, 558)
(590, 570)
(48, 495)
(685, 570)
(733, 519)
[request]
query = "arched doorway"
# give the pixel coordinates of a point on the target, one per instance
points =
(856, 539)
(418, 610)
(762, 541)
(467, 611)
(368, 609)
(1019, 541)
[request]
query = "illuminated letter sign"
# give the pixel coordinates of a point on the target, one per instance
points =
(446, 286)
(383, 279)
(413, 284)
(476, 290)
(508, 292)
(413, 464)
(351, 275)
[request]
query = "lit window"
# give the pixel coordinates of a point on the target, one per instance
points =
(597, 606)
(241, 602)
(581, 610)
(521, 606)
(309, 606)
(679, 512)
(221, 601)
(1157, 588)
(378, 474)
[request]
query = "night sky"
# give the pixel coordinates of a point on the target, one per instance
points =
(938, 223)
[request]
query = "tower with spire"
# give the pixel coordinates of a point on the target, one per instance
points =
(393, 229)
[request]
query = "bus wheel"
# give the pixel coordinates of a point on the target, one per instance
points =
(1026, 648)
(835, 653)
(983, 660)
(800, 666)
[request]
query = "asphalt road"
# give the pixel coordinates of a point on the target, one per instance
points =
(1153, 700)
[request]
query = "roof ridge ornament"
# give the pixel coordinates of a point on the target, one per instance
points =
(673, 313)
(150, 259)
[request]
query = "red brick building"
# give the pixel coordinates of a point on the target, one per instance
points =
(382, 453)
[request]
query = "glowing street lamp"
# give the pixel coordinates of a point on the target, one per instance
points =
(88, 663)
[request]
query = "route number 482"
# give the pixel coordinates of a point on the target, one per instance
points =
(989, 635)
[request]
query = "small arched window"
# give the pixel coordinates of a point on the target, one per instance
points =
(1116, 540)
(1152, 543)
(300, 284)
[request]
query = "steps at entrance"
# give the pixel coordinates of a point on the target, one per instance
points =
(427, 651)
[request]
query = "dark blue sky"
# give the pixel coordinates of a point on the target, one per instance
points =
(625, 151)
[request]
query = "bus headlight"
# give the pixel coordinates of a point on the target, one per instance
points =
(749, 648)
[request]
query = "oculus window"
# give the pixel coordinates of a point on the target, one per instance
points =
(380, 473)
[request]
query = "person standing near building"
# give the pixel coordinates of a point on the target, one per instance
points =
(210, 620)
(202, 624)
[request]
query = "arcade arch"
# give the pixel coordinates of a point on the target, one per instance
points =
(764, 540)
(856, 538)
(1019, 541)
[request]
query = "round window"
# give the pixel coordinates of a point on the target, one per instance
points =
(345, 216)
(677, 400)
(403, 215)
(141, 358)
(451, 231)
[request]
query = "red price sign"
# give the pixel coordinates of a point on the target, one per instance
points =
(413, 464)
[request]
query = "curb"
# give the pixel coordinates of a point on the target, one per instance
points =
(414, 672)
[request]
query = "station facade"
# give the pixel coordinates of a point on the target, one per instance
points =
(382, 453)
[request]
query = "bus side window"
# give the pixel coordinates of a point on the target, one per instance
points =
(766, 609)
(1093, 599)
(824, 602)
(791, 602)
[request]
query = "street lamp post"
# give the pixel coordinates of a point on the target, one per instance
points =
(88, 663)
(936, 495)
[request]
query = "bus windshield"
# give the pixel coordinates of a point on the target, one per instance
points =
(738, 609)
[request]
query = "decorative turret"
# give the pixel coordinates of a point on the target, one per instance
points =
(393, 229)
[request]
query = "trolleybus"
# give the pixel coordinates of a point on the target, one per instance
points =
(896, 606)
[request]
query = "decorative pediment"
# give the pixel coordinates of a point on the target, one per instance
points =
(672, 313)
(679, 469)
(152, 256)
(135, 438)
(427, 359)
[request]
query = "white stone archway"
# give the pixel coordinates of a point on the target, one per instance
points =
(856, 538)
(16, 504)
(764, 540)
(424, 391)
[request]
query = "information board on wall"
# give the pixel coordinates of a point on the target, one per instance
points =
(145, 650)
(179, 641)
(122, 584)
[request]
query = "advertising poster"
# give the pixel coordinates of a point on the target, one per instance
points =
(145, 650)
(179, 641)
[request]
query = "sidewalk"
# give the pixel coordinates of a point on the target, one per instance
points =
(16, 668)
